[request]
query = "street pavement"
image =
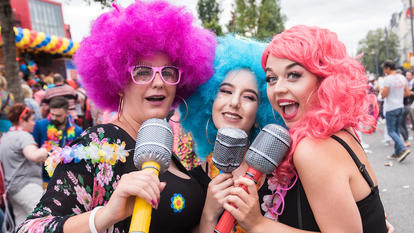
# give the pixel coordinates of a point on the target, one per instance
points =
(396, 182)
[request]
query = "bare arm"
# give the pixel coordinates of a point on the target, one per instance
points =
(34, 153)
(218, 189)
(407, 91)
(384, 92)
(326, 184)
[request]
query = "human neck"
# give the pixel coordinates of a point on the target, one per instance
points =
(128, 124)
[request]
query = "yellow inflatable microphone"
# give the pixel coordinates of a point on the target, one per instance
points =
(152, 151)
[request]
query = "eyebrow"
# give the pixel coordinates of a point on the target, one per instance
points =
(149, 64)
(287, 67)
(248, 89)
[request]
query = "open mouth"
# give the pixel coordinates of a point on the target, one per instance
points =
(289, 109)
(155, 98)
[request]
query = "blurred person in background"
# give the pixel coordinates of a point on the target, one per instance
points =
(58, 130)
(38, 93)
(64, 90)
(7, 101)
(30, 102)
(408, 100)
(394, 90)
(21, 159)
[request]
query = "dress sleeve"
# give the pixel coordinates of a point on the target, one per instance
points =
(68, 193)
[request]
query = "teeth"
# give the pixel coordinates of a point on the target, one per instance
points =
(286, 103)
(231, 116)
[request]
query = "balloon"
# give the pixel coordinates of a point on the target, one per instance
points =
(33, 35)
(65, 43)
(44, 42)
(74, 48)
(69, 47)
(39, 38)
(26, 35)
(19, 34)
(58, 44)
(51, 44)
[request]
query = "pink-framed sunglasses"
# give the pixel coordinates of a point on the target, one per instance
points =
(144, 74)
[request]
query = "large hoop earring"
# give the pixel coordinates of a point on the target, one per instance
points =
(120, 105)
(273, 112)
(207, 132)
(186, 110)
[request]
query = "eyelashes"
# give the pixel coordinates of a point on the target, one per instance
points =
(228, 92)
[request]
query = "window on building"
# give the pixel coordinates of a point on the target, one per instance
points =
(47, 18)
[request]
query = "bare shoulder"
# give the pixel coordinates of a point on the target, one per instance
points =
(318, 156)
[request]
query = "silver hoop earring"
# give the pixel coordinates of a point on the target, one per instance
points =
(186, 112)
(120, 105)
(207, 132)
(273, 112)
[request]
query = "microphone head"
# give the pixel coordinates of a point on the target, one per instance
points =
(229, 149)
(154, 143)
(268, 148)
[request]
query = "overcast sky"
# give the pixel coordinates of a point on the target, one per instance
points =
(350, 19)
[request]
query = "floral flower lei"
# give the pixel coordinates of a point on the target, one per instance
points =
(54, 136)
(96, 152)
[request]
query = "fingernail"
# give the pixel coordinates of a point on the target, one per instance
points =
(158, 201)
(153, 203)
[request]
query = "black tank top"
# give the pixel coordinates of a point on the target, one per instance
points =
(182, 202)
(298, 212)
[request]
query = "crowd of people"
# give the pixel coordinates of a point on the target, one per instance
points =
(71, 143)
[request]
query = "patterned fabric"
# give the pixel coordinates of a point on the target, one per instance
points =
(183, 145)
(87, 174)
(79, 184)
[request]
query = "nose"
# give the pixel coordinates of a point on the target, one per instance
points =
(280, 87)
(157, 82)
(235, 101)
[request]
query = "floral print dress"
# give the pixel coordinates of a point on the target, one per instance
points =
(86, 174)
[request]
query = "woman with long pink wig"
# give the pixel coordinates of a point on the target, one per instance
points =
(141, 61)
(325, 183)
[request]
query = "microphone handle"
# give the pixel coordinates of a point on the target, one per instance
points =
(227, 221)
(141, 216)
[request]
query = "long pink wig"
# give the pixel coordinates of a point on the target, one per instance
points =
(120, 37)
(342, 99)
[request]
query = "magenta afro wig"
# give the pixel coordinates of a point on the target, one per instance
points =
(120, 37)
(342, 99)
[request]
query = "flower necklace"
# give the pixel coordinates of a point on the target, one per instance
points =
(57, 138)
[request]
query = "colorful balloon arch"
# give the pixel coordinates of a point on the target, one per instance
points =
(38, 41)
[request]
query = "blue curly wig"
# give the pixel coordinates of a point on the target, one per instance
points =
(231, 54)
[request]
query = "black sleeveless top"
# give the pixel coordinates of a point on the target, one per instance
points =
(298, 212)
(186, 201)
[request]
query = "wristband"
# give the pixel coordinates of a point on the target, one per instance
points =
(92, 227)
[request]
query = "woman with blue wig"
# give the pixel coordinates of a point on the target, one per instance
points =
(234, 97)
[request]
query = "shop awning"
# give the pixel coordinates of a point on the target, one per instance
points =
(39, 42)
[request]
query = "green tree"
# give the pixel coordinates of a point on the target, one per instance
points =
(9, 50)
(208, 12)
(374, 47)
(260, 21)
(271, 21)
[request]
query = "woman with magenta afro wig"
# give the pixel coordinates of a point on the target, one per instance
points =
(142, 61)
(234, 97)
(325, 183)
